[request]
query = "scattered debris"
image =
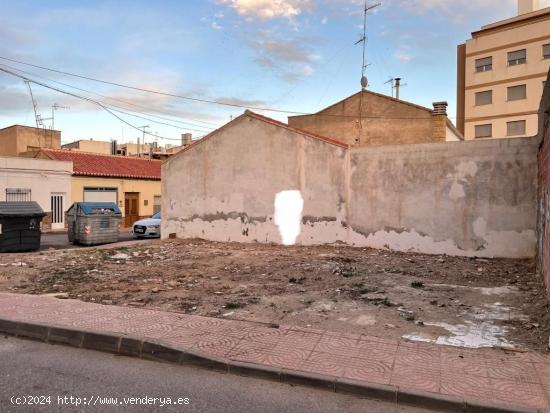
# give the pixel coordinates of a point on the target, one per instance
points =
(338, 288)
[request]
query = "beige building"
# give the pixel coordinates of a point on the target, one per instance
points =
(501, 73)
(132, 183)
(17, 139)
(384, 120)
(45, 181)
(100, 147)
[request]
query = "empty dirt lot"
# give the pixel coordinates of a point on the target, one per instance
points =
(459, 301)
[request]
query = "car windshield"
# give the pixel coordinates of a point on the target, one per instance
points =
(156, 216)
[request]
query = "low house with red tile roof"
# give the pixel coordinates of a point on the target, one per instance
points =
(132, 183)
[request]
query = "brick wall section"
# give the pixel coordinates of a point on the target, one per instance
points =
(543, 221)
(47, 222)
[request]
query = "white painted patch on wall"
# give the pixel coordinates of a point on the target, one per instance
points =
(288, 215)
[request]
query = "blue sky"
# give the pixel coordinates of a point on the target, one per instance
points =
(296, 55)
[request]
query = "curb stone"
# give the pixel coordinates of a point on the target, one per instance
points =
(157, 351)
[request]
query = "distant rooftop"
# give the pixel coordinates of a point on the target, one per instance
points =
(515, 21)
(111, 166)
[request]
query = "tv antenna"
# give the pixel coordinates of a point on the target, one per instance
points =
(396, 86)
(364, 65)
(55, 107)
(367, 8)
(37, 117)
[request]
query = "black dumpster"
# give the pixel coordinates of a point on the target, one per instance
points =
(20, 226)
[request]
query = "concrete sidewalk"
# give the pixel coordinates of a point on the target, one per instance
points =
(449, 378)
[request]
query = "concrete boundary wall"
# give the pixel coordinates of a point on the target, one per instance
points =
(474, 198)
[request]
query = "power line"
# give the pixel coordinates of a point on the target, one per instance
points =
(110, 111)
(206, 100)
(112, 105)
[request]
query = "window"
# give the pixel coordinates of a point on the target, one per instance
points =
(484, 131)
(18, 194)
(546, 51)
(485, 64)
(484, 98)
(517, 92)
(518, 57)
(156, 205)
(515, 128)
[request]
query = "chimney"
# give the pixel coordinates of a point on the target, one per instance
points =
(439, 121)
(186, 139)
(527, 6)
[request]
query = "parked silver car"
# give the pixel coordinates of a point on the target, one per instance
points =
(148, 227)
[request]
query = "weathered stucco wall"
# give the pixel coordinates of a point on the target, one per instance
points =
(466, 198)
(224, 188)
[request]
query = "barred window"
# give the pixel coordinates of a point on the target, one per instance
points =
(18, 194)
(156, 205)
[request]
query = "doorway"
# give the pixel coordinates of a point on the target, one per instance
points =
(58, 213)
(131, 208)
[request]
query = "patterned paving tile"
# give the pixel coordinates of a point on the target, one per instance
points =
(325, 363)
(488, 374)
(519, 394)
(466, 385)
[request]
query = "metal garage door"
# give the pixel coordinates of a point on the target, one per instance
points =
(101, 195)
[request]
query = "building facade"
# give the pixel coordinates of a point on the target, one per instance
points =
(132, 183)
(101, 147)
(45, 181)
(371, 119)
(17, 139)
(501, 74)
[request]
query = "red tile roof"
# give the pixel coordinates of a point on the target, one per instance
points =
(93, 164)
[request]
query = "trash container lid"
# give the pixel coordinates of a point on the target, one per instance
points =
(90, 207)
(21, 209)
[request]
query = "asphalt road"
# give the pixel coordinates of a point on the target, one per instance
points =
(30, 368)
(60, 240)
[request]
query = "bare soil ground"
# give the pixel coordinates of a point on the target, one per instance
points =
(459, 301)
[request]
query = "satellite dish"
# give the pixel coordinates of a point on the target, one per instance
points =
(364, 82)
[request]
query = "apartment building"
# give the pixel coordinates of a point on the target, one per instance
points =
(501, 72)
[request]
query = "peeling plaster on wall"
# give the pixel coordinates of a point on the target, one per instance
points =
(427, 198)
(463, 171)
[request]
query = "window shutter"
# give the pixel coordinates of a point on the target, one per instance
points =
(517, 92)
(484, 64)
(517, 57)
(484, 131)
(515, 128)
(484, 98)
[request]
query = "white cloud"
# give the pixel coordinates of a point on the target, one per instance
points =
(402, 56)
(270, 9)
(216, 26)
